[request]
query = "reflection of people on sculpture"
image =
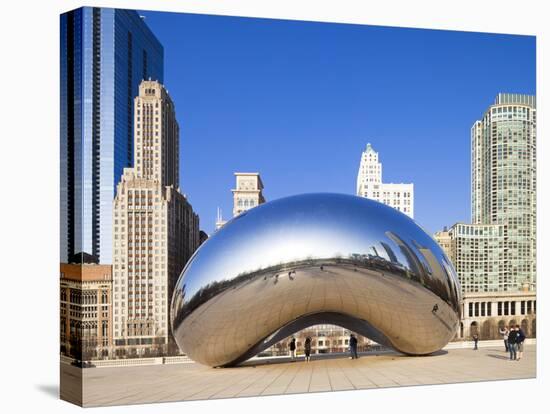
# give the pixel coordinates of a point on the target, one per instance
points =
(435, 308)
(476, 339)
(353, 346)
(356, 290)
(292, 347)
(307, 348)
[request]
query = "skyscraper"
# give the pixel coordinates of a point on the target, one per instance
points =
(105, 53)
(504, 182)
(370, 185)
(155, 229)
(443, 238)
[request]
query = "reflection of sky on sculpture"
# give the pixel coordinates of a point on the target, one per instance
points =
(316, 226)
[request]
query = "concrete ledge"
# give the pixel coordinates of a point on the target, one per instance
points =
(130, 362)
(485, 344)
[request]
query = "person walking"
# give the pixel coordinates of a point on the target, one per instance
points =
(292, 347)
(475, 337)
(519, 340)
(512, 343)
(504, 332)
(307, 348)
(353, 346)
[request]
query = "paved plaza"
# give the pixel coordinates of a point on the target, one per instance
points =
(177, 382)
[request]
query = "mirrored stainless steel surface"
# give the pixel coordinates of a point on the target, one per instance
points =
(309, 259)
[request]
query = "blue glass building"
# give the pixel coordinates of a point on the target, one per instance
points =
(105, 53)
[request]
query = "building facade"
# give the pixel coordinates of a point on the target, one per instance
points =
(485, 314)
(155, 230)
(105, 53)
(503, 170)
(370, 185)
(247, 192)
(86, 311)
(443, 238)
(478, 254)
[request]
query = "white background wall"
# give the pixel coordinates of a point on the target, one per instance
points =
(30, 207)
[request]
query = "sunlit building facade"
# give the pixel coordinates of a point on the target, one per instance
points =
(248, 192)
(86, 311)
(477, 252)
(105, 53)
(155, 230)
(370, 185)
(503, 145)
(443, 238)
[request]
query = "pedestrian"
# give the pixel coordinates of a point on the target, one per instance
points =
(476, 339)
(504, 332)
(512, 342)
(519, 340)
(292, 347)
(307, 348)
(353, 347)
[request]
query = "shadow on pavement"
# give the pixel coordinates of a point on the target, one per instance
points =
(322, 357)
(50, 389)
(498, 356)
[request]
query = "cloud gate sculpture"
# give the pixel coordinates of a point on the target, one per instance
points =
(309, 259)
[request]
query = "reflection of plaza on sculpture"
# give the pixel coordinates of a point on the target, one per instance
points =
(309, 259)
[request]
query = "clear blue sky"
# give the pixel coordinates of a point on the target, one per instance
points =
(298, 101)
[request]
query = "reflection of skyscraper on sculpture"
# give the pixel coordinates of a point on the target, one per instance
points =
(389, 252)
(155, 228)
(414, 263)
(439, 273)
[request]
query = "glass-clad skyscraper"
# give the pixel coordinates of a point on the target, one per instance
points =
(105, 54)
(504, 184)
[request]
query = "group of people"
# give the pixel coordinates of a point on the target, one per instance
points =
(513, 337)
(307, 348)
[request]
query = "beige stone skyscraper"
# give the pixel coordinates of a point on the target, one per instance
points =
(443, 238)
(370, 185)
(248, 192)
(155, 229)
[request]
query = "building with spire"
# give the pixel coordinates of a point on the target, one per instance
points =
(155, 230)
(370, 185)
(219, 219)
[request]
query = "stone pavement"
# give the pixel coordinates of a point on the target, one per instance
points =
(157, 383)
